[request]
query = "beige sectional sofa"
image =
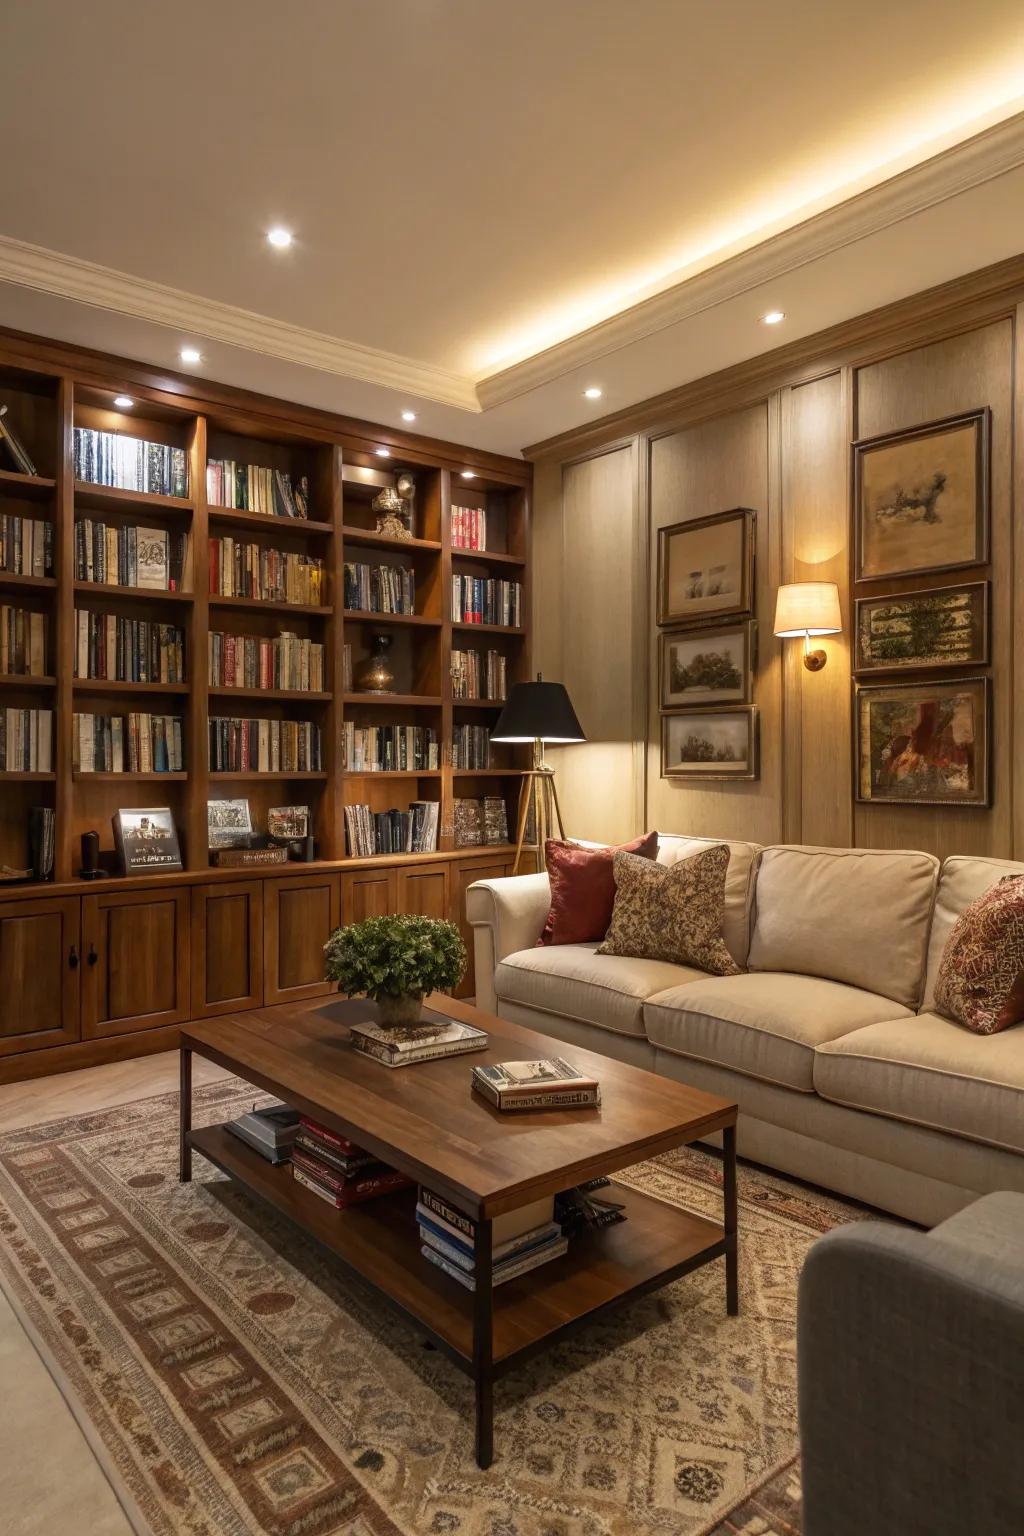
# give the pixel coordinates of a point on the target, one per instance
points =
(828, 1041)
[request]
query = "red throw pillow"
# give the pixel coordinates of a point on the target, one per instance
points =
(583, 888)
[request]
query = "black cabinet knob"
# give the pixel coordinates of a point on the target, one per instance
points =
(73, 957)
(92, 956)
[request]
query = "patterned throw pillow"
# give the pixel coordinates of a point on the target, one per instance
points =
(672, 913)
(981, 974)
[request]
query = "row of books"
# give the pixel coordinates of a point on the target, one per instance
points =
(255, 488)
(369, 832)
(249, 661)
(26, 741)
(23, 647)
(128, 650)
(134, 743)
(130, 556)
(274, 575)
(471, 746)
(480, 821)
(379, 588)
(521, 1240)
(469, 528)
(476, 600)
(479, 677)
(129, 463)
(389, 748)
(264, 746)
(26, 545)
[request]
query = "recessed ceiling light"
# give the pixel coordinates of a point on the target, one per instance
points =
(190, 355)
(468, 474)
(408, 415)
(383, 453)
(773, 317)
(279, 237)
(123, 402)
(593, 393)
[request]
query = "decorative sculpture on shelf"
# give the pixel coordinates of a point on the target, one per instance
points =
(394, 509)
(374, 674)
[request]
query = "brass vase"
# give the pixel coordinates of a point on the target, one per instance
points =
(374, 675)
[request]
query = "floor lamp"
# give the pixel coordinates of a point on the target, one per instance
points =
(538, 712)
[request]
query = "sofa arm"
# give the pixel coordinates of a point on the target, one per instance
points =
(910, 1358)
(505, 915)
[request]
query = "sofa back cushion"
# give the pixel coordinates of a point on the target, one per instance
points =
(738, 883)
(855, 915)
(962, 880)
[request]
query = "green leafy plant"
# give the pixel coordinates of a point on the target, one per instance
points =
(392, 957)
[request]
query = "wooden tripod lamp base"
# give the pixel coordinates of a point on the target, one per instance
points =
(538, 790)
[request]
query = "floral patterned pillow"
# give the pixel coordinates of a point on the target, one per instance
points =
(981, 974)
(672, 913)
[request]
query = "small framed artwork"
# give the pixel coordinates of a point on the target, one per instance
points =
(706, 568)
(939, 627)
(710, 744)
(923, 743)
(707, 666)
(288, 823)
(147, 840)
(921, 497)
(228, 823)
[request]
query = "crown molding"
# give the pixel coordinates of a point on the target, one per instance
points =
(992, 153)
(85, 282)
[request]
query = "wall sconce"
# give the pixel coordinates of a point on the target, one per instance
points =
(808, 608)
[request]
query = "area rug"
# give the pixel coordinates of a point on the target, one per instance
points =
(233, 1385)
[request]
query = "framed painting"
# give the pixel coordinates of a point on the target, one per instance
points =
(923, 743)
(710, 744)
(706, 568)
(706, 666)
(939, 627)
(921, 498)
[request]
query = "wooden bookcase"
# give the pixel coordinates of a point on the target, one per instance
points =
(246, 917)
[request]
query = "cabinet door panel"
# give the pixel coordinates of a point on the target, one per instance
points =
(462, 877)
(368, 893)
(423, 889)
(227, 947)
(40, 974)
(135, 974)
(298, 917)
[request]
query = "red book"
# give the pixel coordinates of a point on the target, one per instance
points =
(332, 1138)
(355, 1194)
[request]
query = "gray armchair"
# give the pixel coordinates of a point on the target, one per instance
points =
(911, 1377)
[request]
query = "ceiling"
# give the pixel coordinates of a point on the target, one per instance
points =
(495, 204)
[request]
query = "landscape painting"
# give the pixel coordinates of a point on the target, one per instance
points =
(706, 568)
(709, 744)
(921, 498)
(706, 666)
(924, 744)
(942, 627)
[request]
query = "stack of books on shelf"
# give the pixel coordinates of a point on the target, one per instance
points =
(368, 832)
(389, 748)
(480, 821)
(521, 1240)
(129, 463)
(479, 677)
(333, 1167)
(379, 588)
(22, 641)
(26, 741)
(264, 746)
(150, 558)
(523, 1085)
(479, 601)
(469, 528)
(272, 575)
(26, 545)
(248, 661)
(254, 488)
(135, 743)
(128, 650)
(433, 1038)
(471, 746)
(270, 1131)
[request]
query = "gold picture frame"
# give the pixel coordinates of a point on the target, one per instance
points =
(719, 661)
(727, 738)
(923, 631)
(923, 743)
(706, 569)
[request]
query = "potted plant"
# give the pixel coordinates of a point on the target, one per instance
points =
(396, 961)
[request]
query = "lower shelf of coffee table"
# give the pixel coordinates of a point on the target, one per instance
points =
(380, 1242)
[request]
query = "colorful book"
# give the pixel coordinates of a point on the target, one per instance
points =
(520, 1266)
(510, 1224)
(369, 1189)
(445, 1238)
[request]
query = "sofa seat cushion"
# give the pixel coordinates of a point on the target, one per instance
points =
(929, 1071)
(765, 1024)
(574, 981)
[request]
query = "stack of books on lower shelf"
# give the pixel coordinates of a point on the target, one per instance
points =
(521, 1085)
(270, 1131)
(521, 1240)
(333, 1167)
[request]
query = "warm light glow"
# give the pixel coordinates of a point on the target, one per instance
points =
(467, 474)
(593, 393)
(807, 608)
(383, 453)
(123, 402)
(190, 355)
(773, 317)
(279, 237)
(408, 415)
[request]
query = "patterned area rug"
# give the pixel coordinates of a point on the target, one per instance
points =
(235, 1386)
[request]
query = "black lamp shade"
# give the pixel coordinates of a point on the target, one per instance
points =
(537, 711)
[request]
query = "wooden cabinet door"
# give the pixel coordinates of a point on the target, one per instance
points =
(135, 963)
(423, 889)
(462, 877)
(227, 947)
(368, 893)
(298, 917)
(40, 974)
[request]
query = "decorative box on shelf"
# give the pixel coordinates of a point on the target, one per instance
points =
(247, 858)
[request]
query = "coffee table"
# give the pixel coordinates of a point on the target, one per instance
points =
(425, 1120)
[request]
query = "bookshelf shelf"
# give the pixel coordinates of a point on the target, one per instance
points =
(391, 773)
(36, 487)
(251, 774)
(487, 773)
(487, 629)
(234, 517)
(25, 680)
(487, 557)
(280, 695)
(117, 685)
(111, 498)
(261, 605)
(373, 540)
(478, 703)
(81, 776)
(399, 700)
(363, 616)
(136, 594)
(11, 582)
(9, 775)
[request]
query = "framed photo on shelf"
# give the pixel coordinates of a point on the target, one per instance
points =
(288, 823)
(706, 568)
(147, 840)
(228, 823)
(707, 666)
(937, 627)
(923, 743)
(921, 497)
(710, 744)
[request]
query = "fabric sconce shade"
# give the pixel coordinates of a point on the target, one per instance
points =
(806, 608)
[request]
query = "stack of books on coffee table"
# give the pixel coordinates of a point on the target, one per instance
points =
(343, 1174)
(521, 1240)
(552, 1084)
(270, 1131)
